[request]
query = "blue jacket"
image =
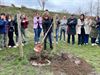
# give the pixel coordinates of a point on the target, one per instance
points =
(2, 26)
(98, 24)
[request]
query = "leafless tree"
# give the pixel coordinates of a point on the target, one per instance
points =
(42, 3)
(79, 10)
(91, 7)
(98, 7)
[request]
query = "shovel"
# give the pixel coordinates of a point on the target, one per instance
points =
(39, 47)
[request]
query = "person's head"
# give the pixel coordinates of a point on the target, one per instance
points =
(37, 14)
(82, 17)
(10, 17)
(72, 16)
(46, 15)
(2, 15)
(64, 17)
(97, 18)
(57, 16)
(46, 11)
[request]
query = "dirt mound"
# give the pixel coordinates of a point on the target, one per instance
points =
(67, 64)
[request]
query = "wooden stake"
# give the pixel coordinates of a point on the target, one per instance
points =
(20, 37)
(54, 22)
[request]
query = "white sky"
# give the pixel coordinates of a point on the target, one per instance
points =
(55, 5)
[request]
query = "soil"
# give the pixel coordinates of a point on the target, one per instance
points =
(67, 64)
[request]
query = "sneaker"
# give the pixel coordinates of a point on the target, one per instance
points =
(0, 49)
(93, 44)
(14, 46)
(22, 44)
(17, 44)
(64, 41)
(36, 43)
(9, 46)
(56, 42)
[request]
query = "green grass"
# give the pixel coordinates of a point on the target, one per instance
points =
(11, 65)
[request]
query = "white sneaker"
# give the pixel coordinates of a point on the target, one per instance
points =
(56, 42)
(0, 49)
(14, 46)
(36, 43)
(93, 44)
(22, 44)
(17, 44)
(9, 46)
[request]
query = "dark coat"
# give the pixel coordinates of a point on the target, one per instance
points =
(98, 24)
(11, 26)
(71, 26)
(46, 25)
(2, 26)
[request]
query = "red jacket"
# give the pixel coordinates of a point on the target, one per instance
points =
(24, 23)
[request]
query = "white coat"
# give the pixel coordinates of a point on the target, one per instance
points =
(87, 26)
(78, 27)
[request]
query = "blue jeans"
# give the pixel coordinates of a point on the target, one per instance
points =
(57, 34)
(86, 38)
(99, 37)
(37, 34)
(2, 40)
(62, 31)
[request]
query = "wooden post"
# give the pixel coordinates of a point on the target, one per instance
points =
(54, 34)
(19, 36)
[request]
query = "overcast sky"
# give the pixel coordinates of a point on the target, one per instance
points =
(55, 5)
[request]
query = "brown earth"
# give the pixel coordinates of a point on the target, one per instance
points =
(67, 64)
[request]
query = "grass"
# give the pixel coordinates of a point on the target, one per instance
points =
(11, 65)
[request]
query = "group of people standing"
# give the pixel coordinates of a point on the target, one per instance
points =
(9, 26)
(85, 27)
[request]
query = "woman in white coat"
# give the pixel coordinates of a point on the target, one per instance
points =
(87, 30)
(81, 29)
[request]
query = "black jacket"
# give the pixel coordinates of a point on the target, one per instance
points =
(72, 26)
(46, 25)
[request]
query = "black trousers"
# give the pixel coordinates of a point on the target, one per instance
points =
(11, 40)
(73, 38)
(81, 39)
(49, 36)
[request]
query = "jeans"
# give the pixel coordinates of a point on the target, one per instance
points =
(2, 40)
(93, 40)
(62, 31)
(86, 38)
(49, 36)
(57, 34)
(81, 39)
(98, 37)
(23, 33)
(73, 39)
(37, 34)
